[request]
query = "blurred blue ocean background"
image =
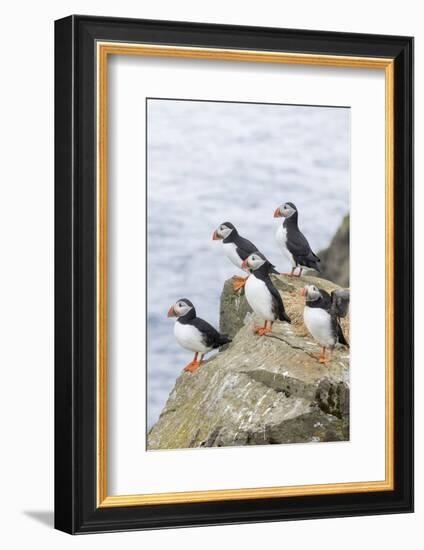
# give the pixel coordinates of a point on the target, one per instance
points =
(210, 162)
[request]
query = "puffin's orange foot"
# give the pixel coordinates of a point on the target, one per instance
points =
(323, 356)
(260, 331)
(239, 282)
(287, 274)
(319, 357)
(191, 366)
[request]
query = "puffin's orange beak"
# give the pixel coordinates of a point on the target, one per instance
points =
(303, 292)
(215, 236)
(277, 213)
(171, 312)
(244, 264)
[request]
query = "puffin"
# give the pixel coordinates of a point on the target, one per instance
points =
(261, 294)
(237, 249)
(322, 313)
(292, 241)
(193, 333)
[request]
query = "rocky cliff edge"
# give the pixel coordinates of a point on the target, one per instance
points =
(260, 390)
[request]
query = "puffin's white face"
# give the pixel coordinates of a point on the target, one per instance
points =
(179, 309)
(222, 232)
(311, 293)
(253, 262)
(284, 211)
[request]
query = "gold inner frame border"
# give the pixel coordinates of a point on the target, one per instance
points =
(103, 50)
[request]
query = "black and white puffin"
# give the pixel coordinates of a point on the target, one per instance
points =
(263, 297)
(292, 241)
(321, 314)
(236, 248)
(193, 333)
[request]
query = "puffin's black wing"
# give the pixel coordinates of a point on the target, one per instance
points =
(277, 302)
(340, 336)
(211, 337)
(245, 248)
(340, 302)
(300, 249)
(324, 301)
(339, 308)
(272, 269)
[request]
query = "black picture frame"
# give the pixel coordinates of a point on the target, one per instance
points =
(75, 275)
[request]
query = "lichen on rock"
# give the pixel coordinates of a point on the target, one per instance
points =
(260, 390)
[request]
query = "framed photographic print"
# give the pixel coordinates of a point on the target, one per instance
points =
(234, 274)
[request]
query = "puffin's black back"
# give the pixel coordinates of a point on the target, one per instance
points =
(244, 247)
(262, 273)
(297, 243)
(211, 337)
(325, 301)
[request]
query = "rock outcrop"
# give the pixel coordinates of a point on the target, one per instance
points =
(260, 390)
(335, 259)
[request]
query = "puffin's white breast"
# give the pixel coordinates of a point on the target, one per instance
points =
(230, 250)
(259, 298)
(281, 238)
(318, 322)
(189, 337)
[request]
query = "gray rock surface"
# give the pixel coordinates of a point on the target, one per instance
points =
(335, 259)
(260, 390)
